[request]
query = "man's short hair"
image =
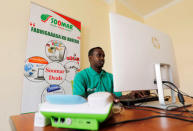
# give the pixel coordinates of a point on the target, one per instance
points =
(90, 52)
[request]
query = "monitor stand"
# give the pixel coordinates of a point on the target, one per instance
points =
(161, 104)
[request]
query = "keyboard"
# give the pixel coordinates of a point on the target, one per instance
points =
(128, 101)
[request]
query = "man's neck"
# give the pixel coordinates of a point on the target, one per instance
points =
(98, 70)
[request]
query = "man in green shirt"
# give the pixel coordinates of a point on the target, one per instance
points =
(94, 78)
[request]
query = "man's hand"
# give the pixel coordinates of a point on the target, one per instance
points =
(138, 94)
(115, 99)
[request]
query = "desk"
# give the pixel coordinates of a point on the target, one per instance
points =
(25, 122)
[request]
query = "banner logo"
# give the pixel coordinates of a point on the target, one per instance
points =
(45, 17)
(55, 22)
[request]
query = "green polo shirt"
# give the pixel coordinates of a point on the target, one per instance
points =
(89, 81)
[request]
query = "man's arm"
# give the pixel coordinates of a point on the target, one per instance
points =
(79, 85)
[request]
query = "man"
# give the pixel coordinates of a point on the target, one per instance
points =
(94, 78)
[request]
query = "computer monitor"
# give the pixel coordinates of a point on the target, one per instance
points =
(137, 52)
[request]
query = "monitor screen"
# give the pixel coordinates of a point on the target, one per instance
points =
(136, 48)
(40, 72)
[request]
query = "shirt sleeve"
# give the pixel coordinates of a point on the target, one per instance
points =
(79, 85)
(117, 94)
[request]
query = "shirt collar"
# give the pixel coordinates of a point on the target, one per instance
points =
(93, 72)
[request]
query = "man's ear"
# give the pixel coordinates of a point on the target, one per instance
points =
(89, 58)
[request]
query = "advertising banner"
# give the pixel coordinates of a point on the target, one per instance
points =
(52, 56)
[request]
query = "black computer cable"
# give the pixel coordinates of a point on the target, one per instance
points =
(180, 94)
(147, 108)
(186, 110)
(184, 94)
(167, 112)
(146, 118)
(162, 114)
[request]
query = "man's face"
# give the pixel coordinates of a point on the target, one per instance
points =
(97, 60)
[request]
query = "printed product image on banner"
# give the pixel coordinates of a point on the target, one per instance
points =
(50, 90)
(72, 67)
(34, 68)
(55, 50)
